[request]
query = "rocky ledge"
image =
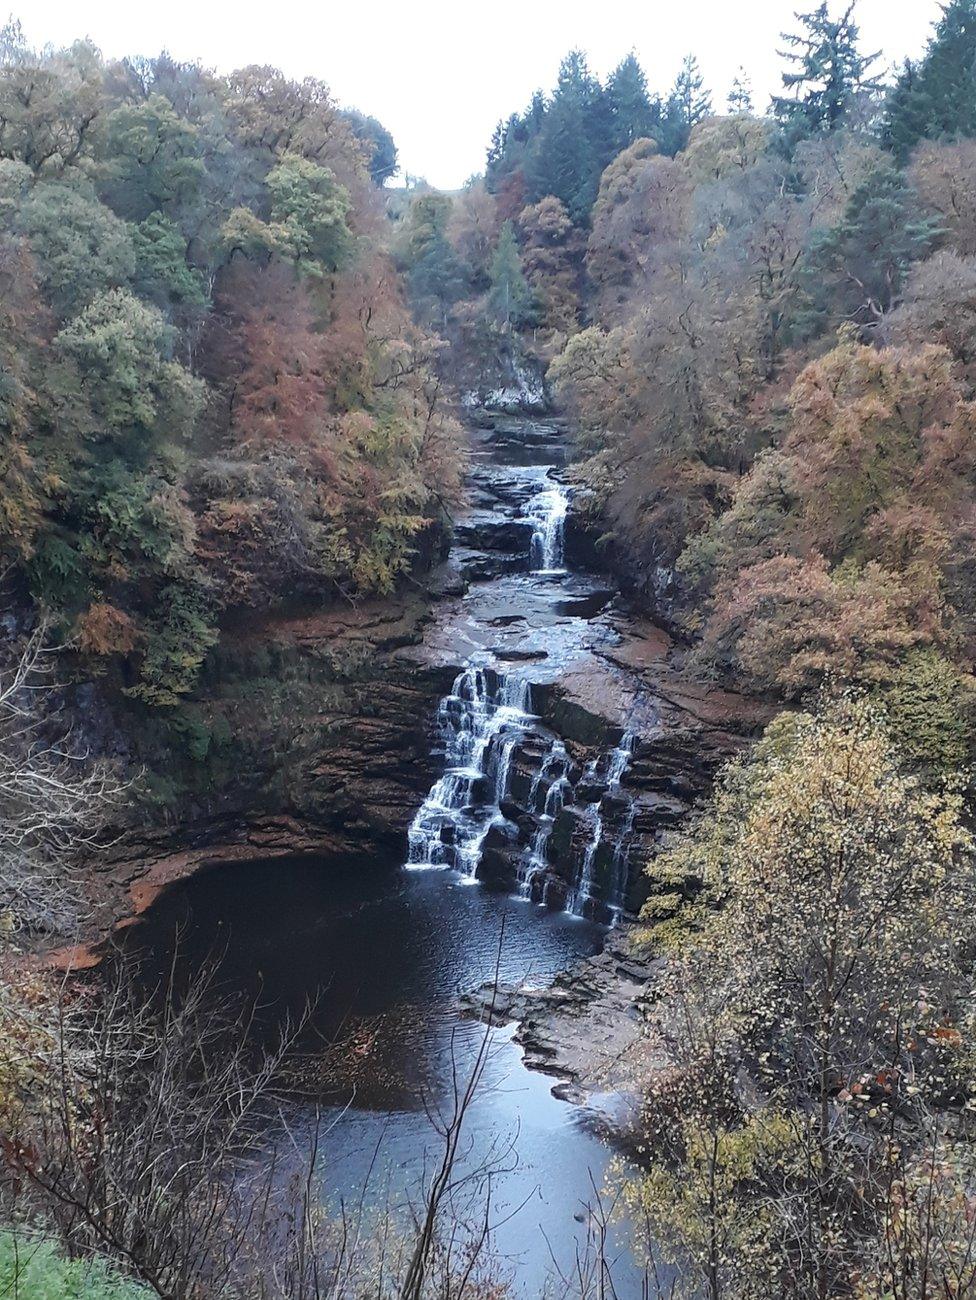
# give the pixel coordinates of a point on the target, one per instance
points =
(587, 1029)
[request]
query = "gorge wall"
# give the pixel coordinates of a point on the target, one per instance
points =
(546, 733)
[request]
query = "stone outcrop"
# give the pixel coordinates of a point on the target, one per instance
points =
(318, 744)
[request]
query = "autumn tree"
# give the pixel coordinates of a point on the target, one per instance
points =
(823, 985)
(552, 255)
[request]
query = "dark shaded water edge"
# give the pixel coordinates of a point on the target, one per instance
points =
(385, 954)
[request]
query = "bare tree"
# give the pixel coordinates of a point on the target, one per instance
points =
(55, 799)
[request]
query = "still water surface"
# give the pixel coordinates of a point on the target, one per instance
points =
(386, 955)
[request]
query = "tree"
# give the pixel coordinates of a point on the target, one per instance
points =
(121, 348)
(740, 95)
(854, 271)
(823, 983)
(568, 158)
(944, 177)
(50, 103)
(152, 160)
(381, 148)
(935, 99)
(825, 74)
(81, 247)
(640, 220)
(552, 255)
(687, 104)
(633, 114)
(473, 229)
(434, 274)
(54, 800)
(720, 146)
(837, 551)
(510, 296)
(309, 213)
(161, 273)
(939, 306)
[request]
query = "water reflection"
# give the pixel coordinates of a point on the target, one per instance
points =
(387, 953)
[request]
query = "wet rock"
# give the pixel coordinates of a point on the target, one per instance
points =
(587, 1028)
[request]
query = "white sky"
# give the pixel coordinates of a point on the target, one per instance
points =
(440, 73)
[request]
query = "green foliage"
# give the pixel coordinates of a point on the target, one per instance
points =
(930, 708)
(121, 348)
(854, 271)
(510, 295)
(32, 1268)
(935, 98)
(826, 73)
(82, 248)
(181, 245)
(162, 274)
(152, 160)
(815, 1020)
(309, 219)
(379, 143)
(434, 272)
(180, 633)
(688, 104)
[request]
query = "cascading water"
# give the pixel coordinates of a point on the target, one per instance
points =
(552, 783)
(482, 720)
(547, 514)
(583, 891)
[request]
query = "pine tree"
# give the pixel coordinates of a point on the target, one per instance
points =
(510, 296)
(936, 99)
(566, 161)
(633, 114)
(740, 96)
(854, 271)
(825, 74)
(687, 104)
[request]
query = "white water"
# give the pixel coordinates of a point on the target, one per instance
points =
(547, 514)
(583, 892)
(552, 776)
(482, 720)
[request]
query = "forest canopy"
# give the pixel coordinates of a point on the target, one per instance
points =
(211, 389)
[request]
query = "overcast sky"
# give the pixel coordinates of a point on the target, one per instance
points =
(440, 73)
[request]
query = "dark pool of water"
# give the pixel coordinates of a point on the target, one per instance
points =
(386, 954)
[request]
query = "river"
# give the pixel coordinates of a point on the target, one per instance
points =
(386, 952)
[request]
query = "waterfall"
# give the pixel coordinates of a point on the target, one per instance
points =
(482, 720)
(553, 776)
(547, 514)
(583, 891)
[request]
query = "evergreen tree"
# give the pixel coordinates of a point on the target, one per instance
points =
(633, 114)
(434, 274)
(936, 99)
(687, 104)
(854, 271)
(510, 296)
(567, 161)
(740, 96)
(825, 73)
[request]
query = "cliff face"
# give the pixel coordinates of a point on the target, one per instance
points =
(310, 735)
(318, 733)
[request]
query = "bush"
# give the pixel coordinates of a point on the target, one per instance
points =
(32, 1269)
